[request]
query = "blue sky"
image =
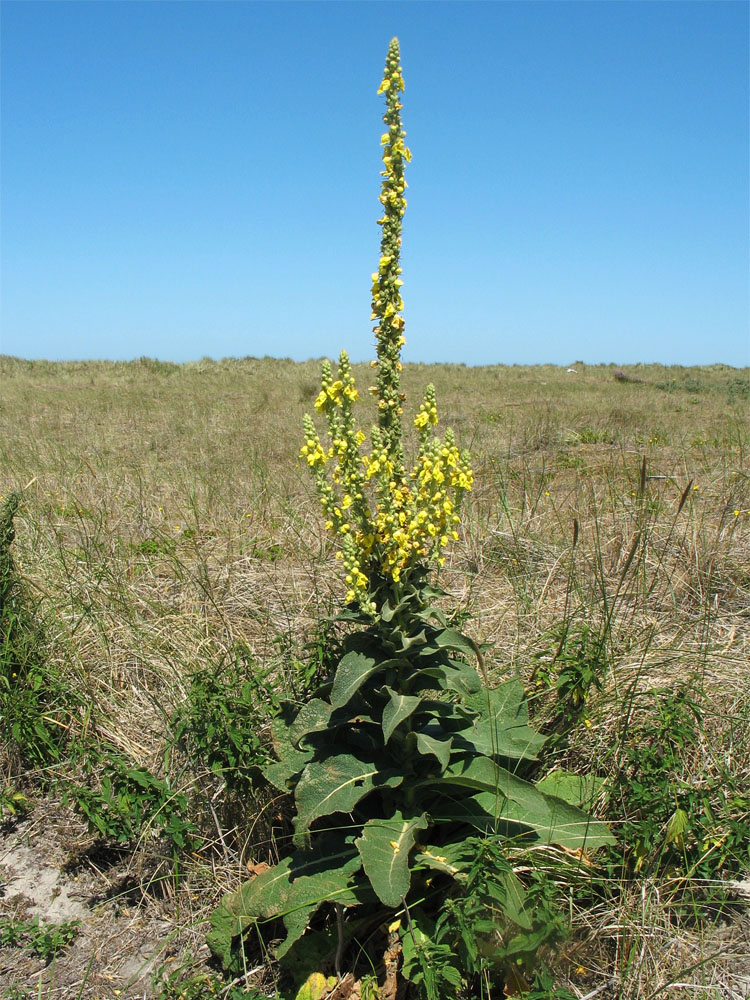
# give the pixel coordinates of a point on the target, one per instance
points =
(183, 180)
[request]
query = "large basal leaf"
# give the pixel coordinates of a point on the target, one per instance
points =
(384, 847)
(295, 882)
(567, 826)
(485, 775)
(308, 892)
(336, 784)
(502, 727)
(312, 718)
(550, 820)
(399, 708)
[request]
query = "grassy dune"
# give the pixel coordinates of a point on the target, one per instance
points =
(166, 523)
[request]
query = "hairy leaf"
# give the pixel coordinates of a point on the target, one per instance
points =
(438, 748)
(336, 784)
(308, 892)
(577, 789)
(399, 707)
(451, 676)
(384, 847)
(311, 718)
(353, 670)
(282, 773)
(295, 882)
(502, 726)
(449, 638)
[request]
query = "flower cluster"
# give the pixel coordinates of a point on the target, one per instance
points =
(387, 519)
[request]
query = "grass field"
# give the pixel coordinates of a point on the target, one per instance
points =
(168, 531)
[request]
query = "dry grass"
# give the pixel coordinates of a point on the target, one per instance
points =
(166, 517)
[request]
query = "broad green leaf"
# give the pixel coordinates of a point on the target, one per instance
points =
(432, 612)
(312, 718)
(308, 892)
(502, 727)
(384, 847)
(550, 820)
(451, 676)
(485, 775)
(282, 772)
(336, 784)
(577, 789)
(408, 641)
(353, 670)
(481, 810)
(399, 707)
(449, 638)
(573, 828)
(438, 748)
(273, 893)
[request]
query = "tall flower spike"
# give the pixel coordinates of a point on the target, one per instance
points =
(386, 282)
(388, 522)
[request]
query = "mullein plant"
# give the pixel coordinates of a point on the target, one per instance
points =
(407, 771)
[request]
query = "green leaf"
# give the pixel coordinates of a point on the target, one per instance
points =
(336, 784)
(570, 827)
(502, 728)
(308, 892)
(438, 748)
(353, 670)
(408, 641)
(485, 775)
(449, 638)
(677, 825)
(514, 800)
(576, 789)
(451, 676)
(311, 718)
(384, 847)
(281, 773)
(399, 707)
(303, 880)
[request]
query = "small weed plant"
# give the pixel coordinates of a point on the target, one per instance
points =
(697, 832)
(128, 799)
(42, 938)
(220, 724)
(416, 820)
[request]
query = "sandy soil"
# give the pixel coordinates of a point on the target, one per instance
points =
(52, 869)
